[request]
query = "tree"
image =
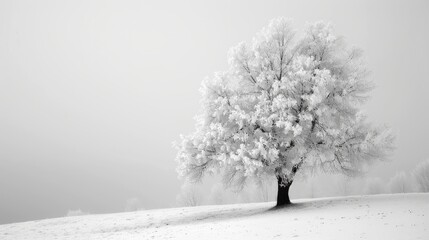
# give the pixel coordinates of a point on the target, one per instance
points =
(421, 173)
(217, 195)
(374, 186)
(73, 213)
(401, 183)
(343, 186)
(189, 196)
(262, 189)
(285, 105)
(132, 205)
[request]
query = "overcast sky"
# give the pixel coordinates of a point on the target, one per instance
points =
(93, 93)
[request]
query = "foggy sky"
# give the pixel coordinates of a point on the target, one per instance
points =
(93, 93)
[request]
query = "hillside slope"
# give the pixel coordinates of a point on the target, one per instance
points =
(401, 216)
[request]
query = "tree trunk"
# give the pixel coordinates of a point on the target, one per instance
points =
(283, 192)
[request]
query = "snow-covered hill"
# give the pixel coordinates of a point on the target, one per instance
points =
(401, 216)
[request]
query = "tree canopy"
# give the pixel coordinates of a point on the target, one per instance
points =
(286, 104)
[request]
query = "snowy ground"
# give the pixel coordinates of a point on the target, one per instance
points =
(401, 216)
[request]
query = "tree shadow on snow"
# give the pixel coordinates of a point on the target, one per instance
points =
(222, 213)
(229, 214)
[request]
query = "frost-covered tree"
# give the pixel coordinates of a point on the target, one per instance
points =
(262, 189)
(132, 205)
(78, 212)
(189, 196)
(286, 104)
(217, 195)
(401, 183)
(421, 173)
(374, 186)
(343, 186)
